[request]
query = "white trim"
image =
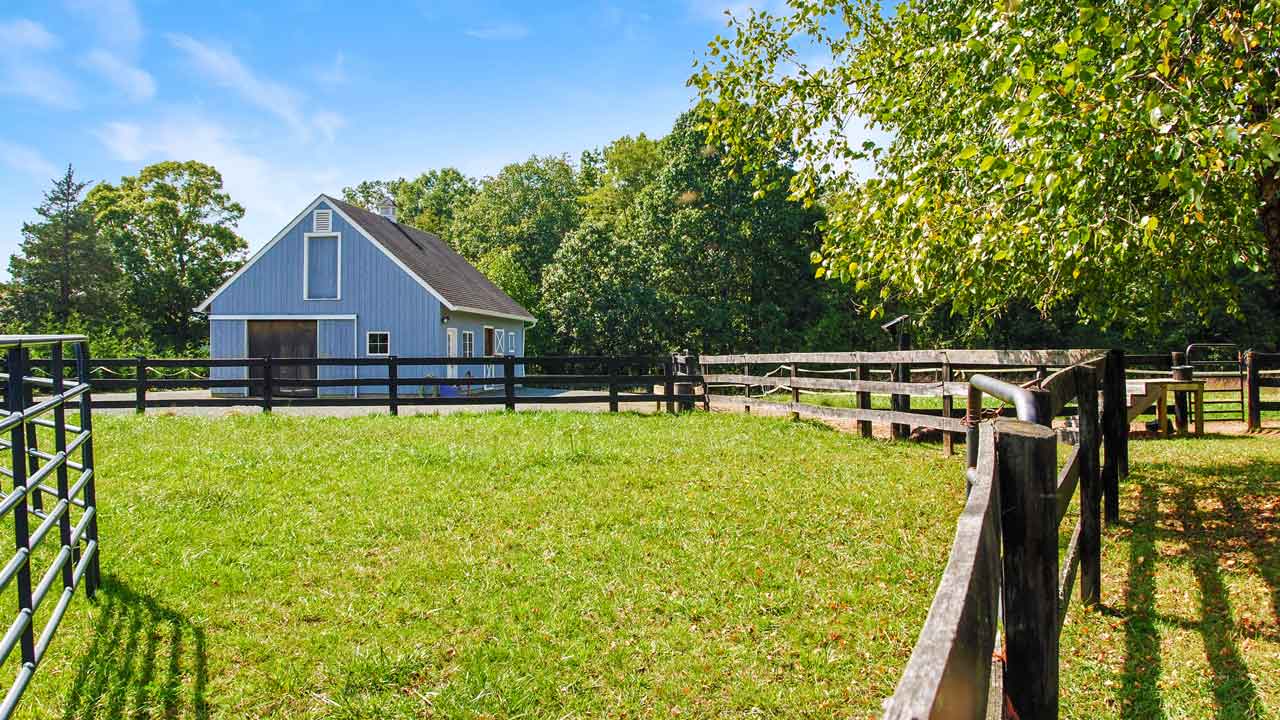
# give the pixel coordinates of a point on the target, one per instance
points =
(281, 317)
(315, 221)
(306, 264)
(509, 316)
(359, 228)
(366, 343)
(258, 255)
(451, 334)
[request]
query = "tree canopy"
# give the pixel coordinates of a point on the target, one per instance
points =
(1082, 158)
(173, 229)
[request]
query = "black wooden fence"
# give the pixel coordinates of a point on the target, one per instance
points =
(394, 381)
(73, 512)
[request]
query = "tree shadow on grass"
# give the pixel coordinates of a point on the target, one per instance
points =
(1212, 515)
(145, 661)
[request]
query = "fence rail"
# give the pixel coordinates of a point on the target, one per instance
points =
(403, 381)
(31, 470)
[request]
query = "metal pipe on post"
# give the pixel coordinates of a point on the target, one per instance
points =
(393, 385)
(56, 371)
(18, 446)
(1253, 380)
(94, 571)
(33, 438)
(1026, 455)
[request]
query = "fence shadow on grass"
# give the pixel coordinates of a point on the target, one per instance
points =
(144, 662)
(1209, 514)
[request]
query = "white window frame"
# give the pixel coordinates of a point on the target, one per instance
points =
(315, 221)
(511, 342)
(368, 336)
(306, 264)
(468, 343)
(499, 342)
(452, 348)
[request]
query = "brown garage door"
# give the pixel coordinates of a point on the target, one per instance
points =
(284, 339)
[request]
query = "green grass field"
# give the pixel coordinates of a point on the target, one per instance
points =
(502, 565)
(1190, 621)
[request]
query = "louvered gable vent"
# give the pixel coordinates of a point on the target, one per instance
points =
(322, 221)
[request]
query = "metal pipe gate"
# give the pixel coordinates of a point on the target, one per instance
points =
(34, 404)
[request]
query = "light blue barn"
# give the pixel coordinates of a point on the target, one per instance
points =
(341, 281)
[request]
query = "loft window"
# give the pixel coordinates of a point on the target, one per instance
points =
(378, 343)
(321, 271)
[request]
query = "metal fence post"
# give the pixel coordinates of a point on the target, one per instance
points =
(393, 385)
(33, 439)
(83, 370)
(509, 381)
(60, 448)
(18, 446)
(1253, 378)
(140, 389)
(268, 383)
(1027, 458)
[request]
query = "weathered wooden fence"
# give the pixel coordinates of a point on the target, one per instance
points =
(1262, 370)
(1004, 584)
(396, 381)
(73, 513)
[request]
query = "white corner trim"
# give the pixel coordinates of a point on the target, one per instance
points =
(262, 251)
(306, 264)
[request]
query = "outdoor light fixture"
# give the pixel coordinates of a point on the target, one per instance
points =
(444, 319)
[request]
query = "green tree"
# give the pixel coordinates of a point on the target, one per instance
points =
(428, 202)
(64, 275)
(702, 261)
(173, 228)
(1059, 156)
(619, 172)
(530, 206)
(502, 268)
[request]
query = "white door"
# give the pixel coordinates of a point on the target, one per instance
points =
(452, 334)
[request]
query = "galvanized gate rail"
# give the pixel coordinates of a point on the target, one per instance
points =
(30, 470)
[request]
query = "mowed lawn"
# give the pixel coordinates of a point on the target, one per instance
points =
(1190, 620)
(534, 565)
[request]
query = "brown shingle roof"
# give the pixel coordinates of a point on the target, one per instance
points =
(435, 263)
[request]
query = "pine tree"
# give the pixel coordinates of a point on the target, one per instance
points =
(64, 276)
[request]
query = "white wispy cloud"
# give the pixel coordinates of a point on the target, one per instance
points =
(118, 23)
(328, 123)
(500, 31)
(333, 74)
(26, 160)
(133, 81)
(225, 69)
(24, 34)
(271, 192)
(25, 72)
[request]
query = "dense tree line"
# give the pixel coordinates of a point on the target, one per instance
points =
(125, 263)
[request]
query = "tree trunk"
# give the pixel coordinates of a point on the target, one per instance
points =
(1269, 218)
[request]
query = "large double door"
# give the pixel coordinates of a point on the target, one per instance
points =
(283, 339)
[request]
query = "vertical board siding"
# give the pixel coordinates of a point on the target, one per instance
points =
(381, 295)
(335, 338)
(227, 340)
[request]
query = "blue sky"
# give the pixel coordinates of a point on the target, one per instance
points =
(290, 99)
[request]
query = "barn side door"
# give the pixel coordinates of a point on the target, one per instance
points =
(284, 339)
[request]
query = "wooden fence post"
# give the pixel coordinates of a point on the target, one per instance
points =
(1115, 425)
(140, 385)
(1181, 406)
(1090, 486)
(611, 367)
(268, 384)
(1027, 459)
(795, 393)
(668, 385)
(1253, 378)
(902, 403)
(509, 381)
(864, 401)
(948, 439)
(393, 385)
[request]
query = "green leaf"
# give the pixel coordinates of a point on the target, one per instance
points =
(967, 153)
(1002, 85)
(986, 163)
(1085, 54)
